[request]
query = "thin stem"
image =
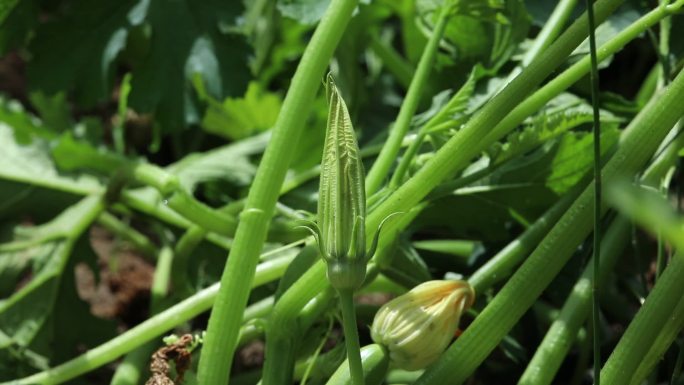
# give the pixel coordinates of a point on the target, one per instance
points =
(396, 65)
(505, 261)
(148, 330)
(224, 322)
(551, 29)
(468, 142)
(595, 324)
(139, 240)
(405, 161)
(388, 154)
(351, 336)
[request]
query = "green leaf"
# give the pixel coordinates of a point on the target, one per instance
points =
(455, 109)
(85, 42)
(230, 162)
(23, 314)
(304, 11)
(31, 164)
(617, 22)
(237, 118)
(480, 31)
(549, 124)
(53, 110)
(188, 38)
(558, 165)
(18, 26)
(71, 154)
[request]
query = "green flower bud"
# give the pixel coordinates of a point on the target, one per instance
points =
(417, 327)
(340, 230)
(341, 194)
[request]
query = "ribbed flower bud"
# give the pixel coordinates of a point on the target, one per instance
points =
(340, 229)
(341, 195)
(418, 326)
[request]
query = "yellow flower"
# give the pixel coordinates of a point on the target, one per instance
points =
(418, 326)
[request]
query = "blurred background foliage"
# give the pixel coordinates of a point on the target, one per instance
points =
(195, 86)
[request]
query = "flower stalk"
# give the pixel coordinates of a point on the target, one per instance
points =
(340, 230)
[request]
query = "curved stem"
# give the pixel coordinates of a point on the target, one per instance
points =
(388, 154)
(505, 261)
(558, 339)
(551, 29)
(647, 324)
(351, 336)
(638, 143)
(468, 141)
(224, 322)
(568, 77)
(280, 336)
(375, 359)
(146, 331)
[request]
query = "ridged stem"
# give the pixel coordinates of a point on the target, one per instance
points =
(351, 336)
(225, 320)
(388, 154)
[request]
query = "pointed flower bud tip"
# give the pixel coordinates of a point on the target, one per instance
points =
(417, 327)
(342, 197)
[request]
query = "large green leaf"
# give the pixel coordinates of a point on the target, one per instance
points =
(237, 118)
(85, 42)
(230, 162)
(31, 164)
(188, 38)
(304, 11)
(49, 247)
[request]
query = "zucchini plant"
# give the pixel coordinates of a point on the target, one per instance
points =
(158, 162)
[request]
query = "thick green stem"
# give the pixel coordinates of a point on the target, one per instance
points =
(351, 336)
(647, 324)
(280, 335)
(396, 65)
(375, 360)
(468, 141)
(388, 154)
(637, 145)
(560, 336)
(568, 77)
(667, 334)
(505, 261)
(146, 331)
(551, 29)
(225, 320)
